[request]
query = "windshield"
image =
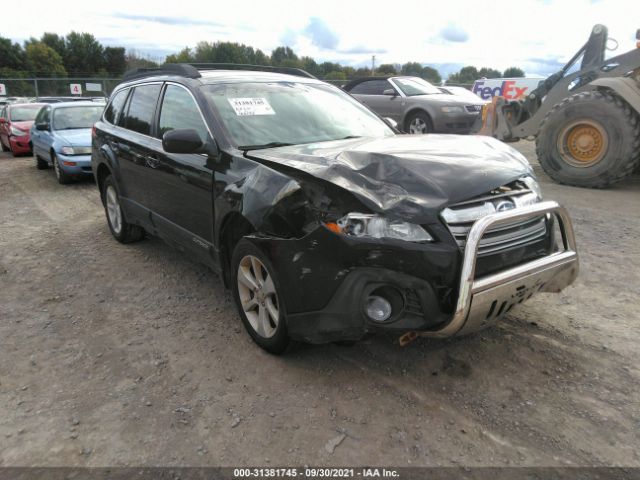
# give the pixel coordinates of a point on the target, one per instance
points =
(24, 114)
(69, 118)
(412, 86)
(288, 113)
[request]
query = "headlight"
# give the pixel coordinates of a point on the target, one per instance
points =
(68, 151)
(533, 185)
(452, 109)
(17, 132)
(364, 225)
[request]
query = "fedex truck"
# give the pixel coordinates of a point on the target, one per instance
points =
(509, 88)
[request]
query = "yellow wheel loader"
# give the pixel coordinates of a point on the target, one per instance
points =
(585, 118)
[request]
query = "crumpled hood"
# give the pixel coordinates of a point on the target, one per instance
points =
(411, 177)
(78, 137)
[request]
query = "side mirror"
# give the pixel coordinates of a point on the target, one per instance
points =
(182, 140)
(42, 126)
(391, 122)
(390, 92)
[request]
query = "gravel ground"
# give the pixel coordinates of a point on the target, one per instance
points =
(117, 355)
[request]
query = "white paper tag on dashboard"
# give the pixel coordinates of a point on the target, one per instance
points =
(245, 107)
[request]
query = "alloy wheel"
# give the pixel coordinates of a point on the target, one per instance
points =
(258, 296)
(418, 125)
(113, 209)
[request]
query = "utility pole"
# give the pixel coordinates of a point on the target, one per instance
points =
(373, 64)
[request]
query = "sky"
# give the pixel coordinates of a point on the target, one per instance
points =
(538, 36)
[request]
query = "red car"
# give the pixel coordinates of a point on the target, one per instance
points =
(15, 121)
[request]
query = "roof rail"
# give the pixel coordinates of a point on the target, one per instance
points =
(179, 69)
(258, 68)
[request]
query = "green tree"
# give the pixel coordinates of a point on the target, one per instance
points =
(44, 60)
(489, 73)
(386, 69)
(83, 55)
(513, 72)
(184, 56)
(335, 76)
(55, 41)
(431, 75)
(466, 75)
(11, 55)
(411, 68)
(135, 60)
(308, 64)
(280, 54)
(115, 62)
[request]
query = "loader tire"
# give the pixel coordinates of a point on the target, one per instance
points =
(591, 139)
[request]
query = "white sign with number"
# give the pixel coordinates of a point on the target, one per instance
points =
(3, 89)
(76, 89)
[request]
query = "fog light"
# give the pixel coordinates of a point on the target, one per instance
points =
(378, 308)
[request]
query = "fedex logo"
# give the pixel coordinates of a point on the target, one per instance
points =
(511, 89)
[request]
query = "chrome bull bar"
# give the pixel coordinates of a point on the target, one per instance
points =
(483, 301)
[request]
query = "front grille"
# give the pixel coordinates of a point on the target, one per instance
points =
(461, 217)
(474, 108)
(503, 237)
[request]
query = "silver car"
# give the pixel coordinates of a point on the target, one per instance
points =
(416, 105)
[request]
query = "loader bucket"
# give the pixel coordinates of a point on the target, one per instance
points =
(488, 118)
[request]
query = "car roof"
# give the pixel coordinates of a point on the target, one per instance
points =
(26, 104)
(76, 104)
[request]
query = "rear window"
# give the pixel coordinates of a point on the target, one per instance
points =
(142, 106)
(371, 87)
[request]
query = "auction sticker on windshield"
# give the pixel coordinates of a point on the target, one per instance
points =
(251, 106)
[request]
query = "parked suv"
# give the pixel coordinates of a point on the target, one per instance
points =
(325, 222)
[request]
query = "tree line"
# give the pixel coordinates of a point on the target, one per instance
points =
(80, 54)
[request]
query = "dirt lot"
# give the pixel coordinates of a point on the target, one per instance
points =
(134, 355)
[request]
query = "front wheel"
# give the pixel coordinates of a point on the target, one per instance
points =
(419, 122)
(62, 177)
(121, 230)
(40, 163)
(256, 291)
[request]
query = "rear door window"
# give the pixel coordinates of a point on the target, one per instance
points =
(371, 87)
(142, 107)
(113, 110)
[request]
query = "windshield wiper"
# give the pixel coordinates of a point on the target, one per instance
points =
(264, 145)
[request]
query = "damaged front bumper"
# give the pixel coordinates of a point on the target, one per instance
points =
(483, 301)
(327, 279)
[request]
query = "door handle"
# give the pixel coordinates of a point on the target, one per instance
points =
(152, 161)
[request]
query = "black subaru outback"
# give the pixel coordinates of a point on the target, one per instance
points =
(324, 221)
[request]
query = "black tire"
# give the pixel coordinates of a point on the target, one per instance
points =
(124, 232)
(617, 145)
(278, 342)
(62, 177)
(40, 163)
(419, 117)
(4, 147)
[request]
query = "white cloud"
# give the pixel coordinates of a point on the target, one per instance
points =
(500, 34)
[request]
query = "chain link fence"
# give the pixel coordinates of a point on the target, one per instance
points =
(57, 87)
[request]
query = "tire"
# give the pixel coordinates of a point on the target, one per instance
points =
(40, 163)
(122, 231)
(4, 147)
(418, 122)
(591, 139)
(262, 311)
(62, 177)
